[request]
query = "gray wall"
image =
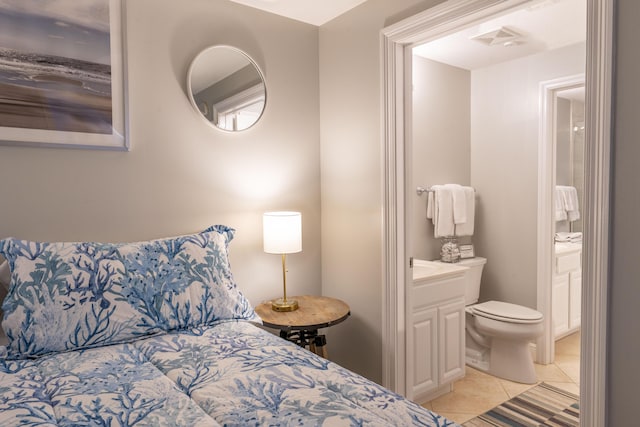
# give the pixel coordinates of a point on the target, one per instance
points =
(441, 141)
(350, 111)
(624, 316)
(181, 175)
(504, 168)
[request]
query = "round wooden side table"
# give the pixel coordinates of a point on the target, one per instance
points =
(301, 326)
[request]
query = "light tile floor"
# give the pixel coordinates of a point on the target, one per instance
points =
(478, 392)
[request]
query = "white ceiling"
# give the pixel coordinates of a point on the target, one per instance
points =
(546, 25)
(316, 12)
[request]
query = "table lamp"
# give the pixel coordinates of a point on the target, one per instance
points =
(282, 232)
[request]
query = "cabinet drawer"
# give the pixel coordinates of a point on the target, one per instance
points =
(429, 294)
(568, 262)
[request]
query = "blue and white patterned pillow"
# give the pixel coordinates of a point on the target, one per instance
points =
(65, 296)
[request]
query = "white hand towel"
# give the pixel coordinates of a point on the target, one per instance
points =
(430, 203)
(571, 202)
(466, 228)
(459, 203)
(560, 211)
(443, 224)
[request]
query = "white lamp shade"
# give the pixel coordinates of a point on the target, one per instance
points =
(282, 232)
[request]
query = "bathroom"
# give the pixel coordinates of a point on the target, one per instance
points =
(480, 126)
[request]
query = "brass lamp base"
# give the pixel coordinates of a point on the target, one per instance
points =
(282, 304)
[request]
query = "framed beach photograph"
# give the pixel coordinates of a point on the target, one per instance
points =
(62, 74)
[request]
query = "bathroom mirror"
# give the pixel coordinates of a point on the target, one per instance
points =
(227, 88)
(570, 148)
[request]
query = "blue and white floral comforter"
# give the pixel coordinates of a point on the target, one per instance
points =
(157, 333)
(228, 374)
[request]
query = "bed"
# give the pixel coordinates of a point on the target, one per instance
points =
(158, 334)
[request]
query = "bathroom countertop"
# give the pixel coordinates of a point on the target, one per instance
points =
(430, 270)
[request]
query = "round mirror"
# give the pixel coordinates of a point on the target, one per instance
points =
(227, 88)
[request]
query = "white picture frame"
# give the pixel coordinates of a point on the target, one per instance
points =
(61, 115)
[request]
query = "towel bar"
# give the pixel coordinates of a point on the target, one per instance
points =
(421, 190)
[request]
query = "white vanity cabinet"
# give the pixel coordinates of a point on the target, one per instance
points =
(435, 329)
(567, 289)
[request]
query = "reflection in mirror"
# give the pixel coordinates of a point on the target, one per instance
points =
(226, 86)
(570, 149)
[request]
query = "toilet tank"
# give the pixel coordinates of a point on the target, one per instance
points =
(472, 291)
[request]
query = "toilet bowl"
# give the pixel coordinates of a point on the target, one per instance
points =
(497, 339)
(498, 333)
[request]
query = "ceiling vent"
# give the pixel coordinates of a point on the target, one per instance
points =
(500, 37)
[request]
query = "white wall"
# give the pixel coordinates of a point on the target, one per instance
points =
(351, 166)
(624, 316)
(504, 167)
(441, 141)
(181, 175)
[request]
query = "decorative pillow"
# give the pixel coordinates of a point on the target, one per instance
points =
(65, 296)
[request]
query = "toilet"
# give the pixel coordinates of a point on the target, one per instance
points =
(498, 333)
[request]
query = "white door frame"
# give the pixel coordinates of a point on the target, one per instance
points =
(545, 345)
(436, 22)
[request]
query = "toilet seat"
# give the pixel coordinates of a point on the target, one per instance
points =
(506, 312)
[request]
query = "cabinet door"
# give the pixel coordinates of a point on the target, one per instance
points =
(451, 341)
(422, 355)
(575, 299)
(560, 302)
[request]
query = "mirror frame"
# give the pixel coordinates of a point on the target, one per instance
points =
(192, 99)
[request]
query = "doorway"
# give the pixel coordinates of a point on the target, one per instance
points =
(557, 138)
(396, 45)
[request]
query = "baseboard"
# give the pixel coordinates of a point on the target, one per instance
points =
(443, 389)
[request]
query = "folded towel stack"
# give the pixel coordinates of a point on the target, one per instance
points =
(568, 237)
(566, 203)
(451, 207)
